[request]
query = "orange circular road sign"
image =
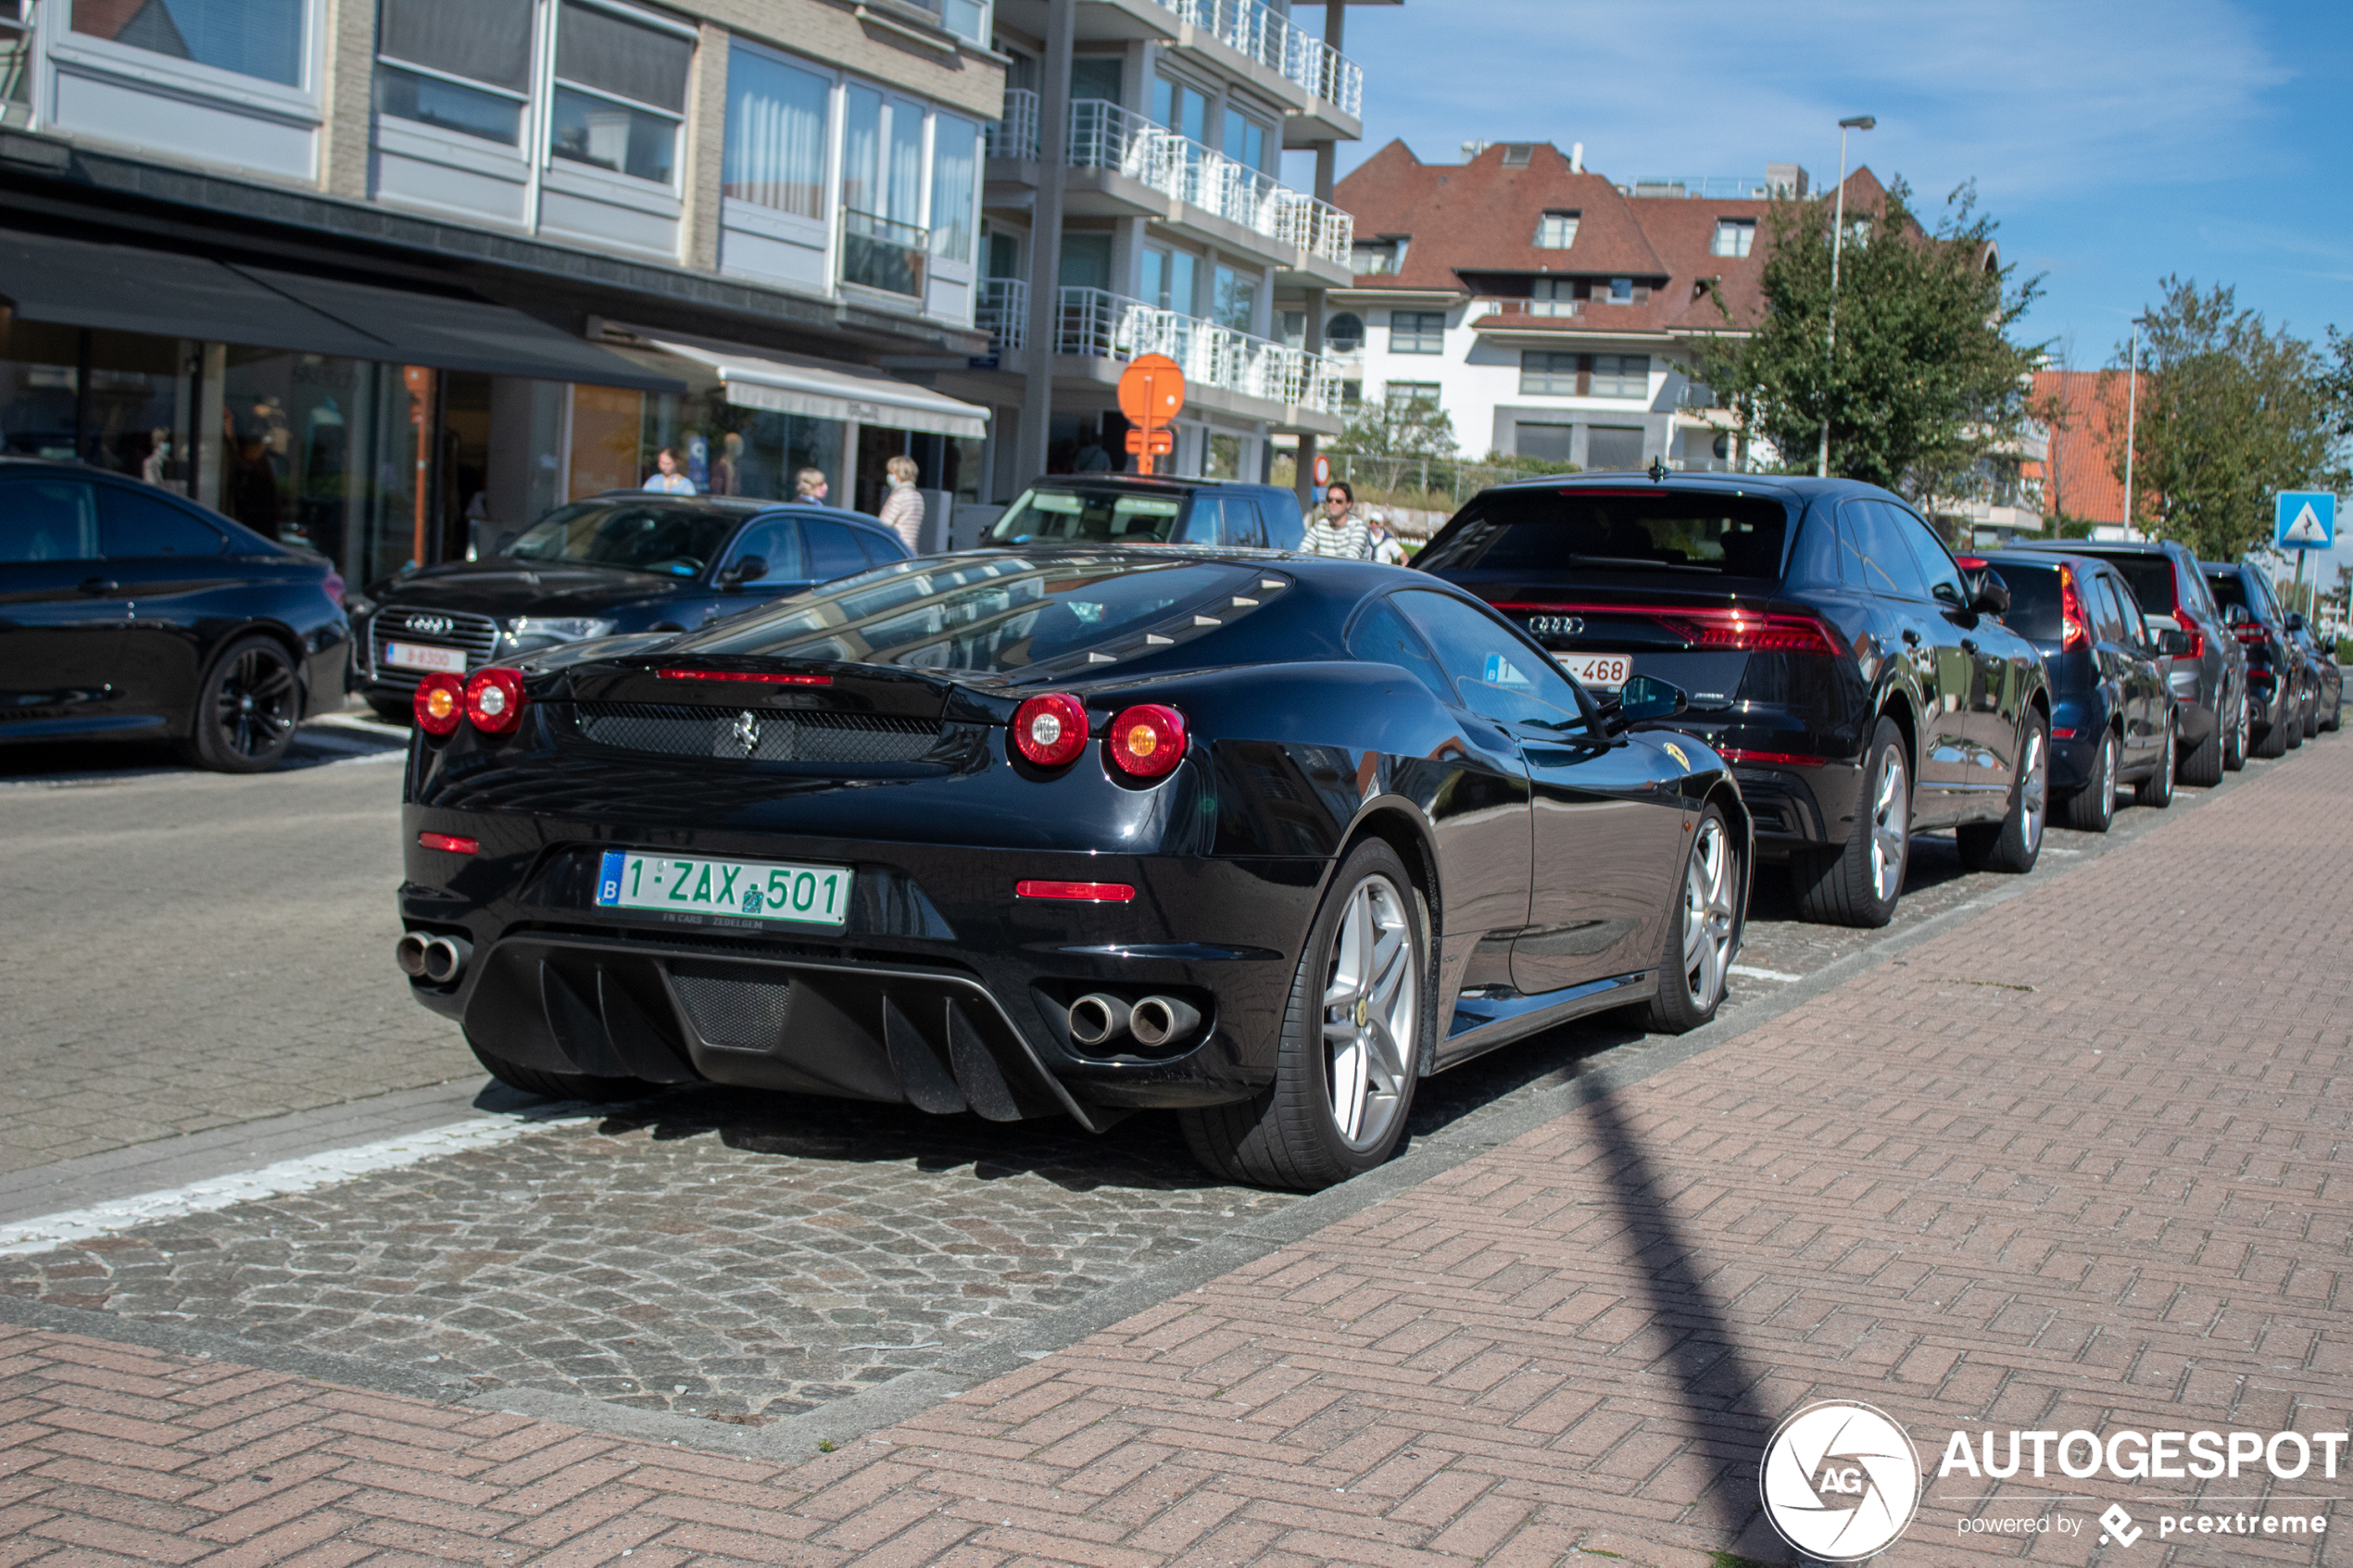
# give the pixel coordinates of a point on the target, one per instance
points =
(1152, 390)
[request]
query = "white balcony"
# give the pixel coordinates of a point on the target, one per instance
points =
(1274, 42)
(1003, 312)
(1093, 323)
(1490, 306)
(1016, 136)
(1103, 135)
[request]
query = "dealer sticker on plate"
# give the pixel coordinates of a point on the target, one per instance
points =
(739, 889)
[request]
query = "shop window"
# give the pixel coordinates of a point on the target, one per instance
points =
(460, 65)
(776, 134)
(262, 39)
(621, 93)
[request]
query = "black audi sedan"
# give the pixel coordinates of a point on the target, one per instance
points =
(2208, 678)
(2278, 678)
(1856, 678)
(629, 561)
(128, 613)
(1256, 838)
(2114, 716)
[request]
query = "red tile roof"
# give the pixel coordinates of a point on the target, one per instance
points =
(1480, 216)
(2081, 480)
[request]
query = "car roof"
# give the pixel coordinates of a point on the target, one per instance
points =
(249, 541)
(1790, 486)
(2095, 546)
(1175, 483)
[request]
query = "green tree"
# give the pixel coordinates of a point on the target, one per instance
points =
(2229, 412)
(1398, 427)
(1927, 388)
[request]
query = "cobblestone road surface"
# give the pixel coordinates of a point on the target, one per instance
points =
(2073, 1163)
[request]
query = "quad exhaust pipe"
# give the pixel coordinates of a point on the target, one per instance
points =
(1097, 1018)
(437, 960)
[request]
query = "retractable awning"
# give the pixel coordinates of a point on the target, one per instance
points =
(78, 283)
(787, 384)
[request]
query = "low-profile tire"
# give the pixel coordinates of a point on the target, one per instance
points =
(2234, 749)
(2093, 808)
(2014, 842)
(559, 1085)
(2337, 712)
(1702, 923)
(2156, 791)
(246, 709)
(2272, 742)
(2202, 764)
(392, 711)
(2312, 718)
(1858, 882)
(1362, 1003)
(2292, 730)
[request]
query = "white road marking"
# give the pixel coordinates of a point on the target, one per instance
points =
(1742, 968)
(304, 1175)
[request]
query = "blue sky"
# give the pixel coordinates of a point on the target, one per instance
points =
(2116, 141)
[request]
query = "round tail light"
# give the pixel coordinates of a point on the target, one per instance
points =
(1050, 729)
(439, 704)
(494, 700)
(1147, 741)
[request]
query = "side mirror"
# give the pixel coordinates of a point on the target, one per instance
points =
(1642, 700)
(2295, 621)
(1946, 594)
(2173, 643)
(743, 569)
(2235, 615)
(1988, 595)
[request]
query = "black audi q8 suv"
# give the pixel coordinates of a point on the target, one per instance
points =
(2278, 679)
(1856, 678)
(2114, 716)
(629, 561)
(2208, 680)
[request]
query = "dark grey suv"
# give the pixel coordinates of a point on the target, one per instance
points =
(2209, 681)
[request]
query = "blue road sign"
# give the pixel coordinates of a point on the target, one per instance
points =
(2304, 520)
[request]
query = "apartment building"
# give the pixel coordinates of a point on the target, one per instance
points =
(1133, 203)
(371, 274)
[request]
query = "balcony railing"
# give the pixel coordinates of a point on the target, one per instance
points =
(1712, 188)
(1274, 42)
(1103, 135)
(879, 254)
(1098, 324)
(1003, 312)
(1016, 134)
(1495, 307)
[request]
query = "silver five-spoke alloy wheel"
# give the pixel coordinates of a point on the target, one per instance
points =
(1707, 915)
(1890, 826)
(1372, 1003)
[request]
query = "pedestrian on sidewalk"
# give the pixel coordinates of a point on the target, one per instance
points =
(1387, 548)
(667, 480)
(808, 485)
(903, 507)
(1338, 533)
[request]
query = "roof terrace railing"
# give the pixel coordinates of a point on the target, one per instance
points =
(1275, 40)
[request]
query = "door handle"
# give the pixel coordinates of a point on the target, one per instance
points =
(100, 585)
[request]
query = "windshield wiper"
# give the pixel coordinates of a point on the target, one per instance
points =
(1643, 563)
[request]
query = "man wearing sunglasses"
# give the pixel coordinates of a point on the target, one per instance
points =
(1338, 533)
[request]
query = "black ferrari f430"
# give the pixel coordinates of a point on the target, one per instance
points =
(1258, 839)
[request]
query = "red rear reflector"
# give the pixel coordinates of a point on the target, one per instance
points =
(1145, 741)
(744, 675)
(456, 844)
(2062, 734)
(1770, 758)
(1050, 729)
(494, 700)
(1085, 892)
(439, 704)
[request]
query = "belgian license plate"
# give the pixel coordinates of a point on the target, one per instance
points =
(423, 655)
(741, 889)
(1604, 672)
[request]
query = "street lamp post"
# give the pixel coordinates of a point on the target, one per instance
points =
(1838, 238)
(2132, 418)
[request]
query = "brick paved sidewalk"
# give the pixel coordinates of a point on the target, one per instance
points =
(2067, 1165)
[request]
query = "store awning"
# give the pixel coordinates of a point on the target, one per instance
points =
(787, 384)
(78, 283)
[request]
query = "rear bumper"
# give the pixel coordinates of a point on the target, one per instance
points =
(943, 991)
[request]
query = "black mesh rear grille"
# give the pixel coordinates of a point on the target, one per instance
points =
(680, 730)
(730, 1008)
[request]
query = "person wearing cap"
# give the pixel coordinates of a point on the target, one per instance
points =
(1386, 548)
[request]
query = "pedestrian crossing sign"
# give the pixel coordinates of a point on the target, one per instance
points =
(2304, 520)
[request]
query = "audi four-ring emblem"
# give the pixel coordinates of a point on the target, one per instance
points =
(432, 625)
(1556, 625)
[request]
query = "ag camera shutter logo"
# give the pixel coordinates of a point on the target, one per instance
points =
(1840, 1481)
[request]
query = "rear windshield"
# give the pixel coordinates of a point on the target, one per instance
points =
(1608, 534)
(1121, 516)
(991, 617)
(2152, 580)
(640, 536)
(2228, 590)
(2034, 600)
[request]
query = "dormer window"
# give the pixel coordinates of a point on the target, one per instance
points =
(1733, 236)
(1382, 254)
(1621, 290)
(1556, 231)
(1517, 154)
